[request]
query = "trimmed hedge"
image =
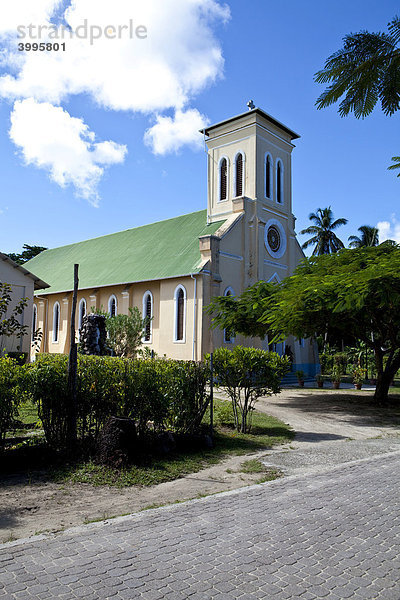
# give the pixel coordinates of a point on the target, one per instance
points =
(158, 394)
(10, 380)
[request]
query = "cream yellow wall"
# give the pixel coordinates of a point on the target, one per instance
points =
(162, 325)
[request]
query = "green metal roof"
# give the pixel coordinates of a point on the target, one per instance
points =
(165, 249)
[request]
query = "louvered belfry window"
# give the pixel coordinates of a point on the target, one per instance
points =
(268, 177)
(223, 179)
(279, 183)
(147, 332)
(180, 310)
(239, 175)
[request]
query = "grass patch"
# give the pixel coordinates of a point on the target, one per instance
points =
(27, 413)
(151, 470)
(270, 475)
(252, 466)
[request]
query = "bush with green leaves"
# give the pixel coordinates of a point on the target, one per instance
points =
(10, 394)
(157, 394)
(246, 374)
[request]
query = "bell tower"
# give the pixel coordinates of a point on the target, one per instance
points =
(249, 174)
(249, 157)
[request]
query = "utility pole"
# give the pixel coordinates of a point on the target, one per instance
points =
(72, 370)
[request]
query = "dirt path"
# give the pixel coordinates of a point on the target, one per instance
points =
(329, 415)
(318, 417)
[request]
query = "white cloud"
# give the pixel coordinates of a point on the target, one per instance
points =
(170, 134)
(389, 230)
(50, 139)
(180, 57)
(23, 12)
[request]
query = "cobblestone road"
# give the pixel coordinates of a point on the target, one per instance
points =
(334, 535)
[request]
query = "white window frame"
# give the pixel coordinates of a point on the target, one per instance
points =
(279, 161)
(183, 340)
(111, 298)
(271, 179)
(148, 293)
(227, 178)
(56, 331)
(243, 174)
(80, 318)
(34, 319)
(232, 338)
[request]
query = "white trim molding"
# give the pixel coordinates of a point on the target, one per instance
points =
(228, 255)
(183, 340)
(34, 319)
(56, 323)
(271, 178)
(144, 315)
(234, 195)
(274, 279)
(219, 179)
(111, 298)
(275, 264)
(82, 302)
(279, 161)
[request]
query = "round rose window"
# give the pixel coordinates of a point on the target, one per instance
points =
(274, 238)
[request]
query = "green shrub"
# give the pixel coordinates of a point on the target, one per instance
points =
(247, 374)
(157, 393)
(10, 393)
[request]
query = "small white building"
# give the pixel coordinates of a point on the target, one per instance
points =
(23, 284)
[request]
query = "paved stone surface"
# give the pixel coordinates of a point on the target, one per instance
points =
(318, 457)
(333, 535)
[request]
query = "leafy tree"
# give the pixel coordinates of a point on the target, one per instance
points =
(27, 253)
(125, 332)
(242, 314)
(247, 374)
(352, 293)
(369, 237)
(324, 239)
(10, 325)
(366, 70)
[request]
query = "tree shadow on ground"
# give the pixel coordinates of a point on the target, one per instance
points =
(309, 436)
(350, 408)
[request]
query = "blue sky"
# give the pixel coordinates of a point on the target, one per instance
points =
(270, 52)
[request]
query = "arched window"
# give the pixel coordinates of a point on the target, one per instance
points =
(56, 322)
(268, 179)
(229, 336)
(147, 312)
(112, 305)
(239, 173)
(180, 314)
(279, 182)
(34, 320)
(223, 179)
(81, 312)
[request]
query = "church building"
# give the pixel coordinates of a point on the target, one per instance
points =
(171, 269)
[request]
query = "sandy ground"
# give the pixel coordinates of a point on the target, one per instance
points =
(322, 417)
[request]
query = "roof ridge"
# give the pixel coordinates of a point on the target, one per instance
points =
(98, 237)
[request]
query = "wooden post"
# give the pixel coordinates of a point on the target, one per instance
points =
(72, 370)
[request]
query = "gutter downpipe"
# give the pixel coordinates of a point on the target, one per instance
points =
(194, 316)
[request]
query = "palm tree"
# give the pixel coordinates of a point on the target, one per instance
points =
(396, 164)
(369, 237)
(365, 70)
(324, 238)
